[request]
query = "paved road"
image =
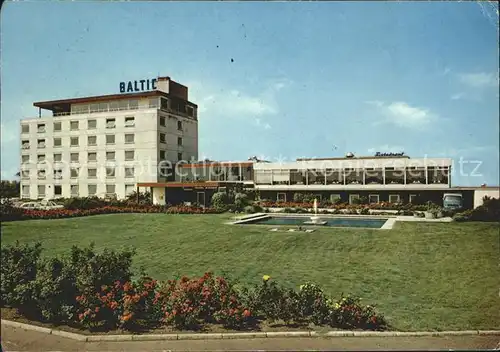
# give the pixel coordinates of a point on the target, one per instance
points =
(15, 339)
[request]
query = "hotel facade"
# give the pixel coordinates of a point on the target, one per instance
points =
(112, 145)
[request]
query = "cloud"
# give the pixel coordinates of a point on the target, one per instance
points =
(457, 96)
(479, 79)
(403, 115)
(386, 149)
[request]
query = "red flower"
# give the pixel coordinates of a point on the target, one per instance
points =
(246, 313)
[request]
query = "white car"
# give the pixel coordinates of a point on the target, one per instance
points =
(48, 205)
(30, 206)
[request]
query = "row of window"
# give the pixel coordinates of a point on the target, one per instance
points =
(75, 141)
(75, 125)
(92, 141)
(75, 157)
(117, 105)
(92, 156)
(91, 125)
(75, 190)
(75, 173)
(354, 198)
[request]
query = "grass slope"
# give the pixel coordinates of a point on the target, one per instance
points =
(440, 276)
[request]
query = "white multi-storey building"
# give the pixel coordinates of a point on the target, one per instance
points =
(105, 145)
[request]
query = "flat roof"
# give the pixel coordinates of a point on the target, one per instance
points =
(356, 157)
(217, 163)
(63, 104)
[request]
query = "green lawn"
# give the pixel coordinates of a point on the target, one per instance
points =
(441, 276)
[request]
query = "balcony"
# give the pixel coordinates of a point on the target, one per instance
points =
(41, 129)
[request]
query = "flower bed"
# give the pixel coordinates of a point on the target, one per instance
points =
(344, 206)
(25, 214)
(95, 292)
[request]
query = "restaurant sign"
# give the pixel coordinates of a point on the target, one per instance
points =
(138, 86)
(389, 154)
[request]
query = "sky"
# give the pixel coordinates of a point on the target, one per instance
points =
(278, 80)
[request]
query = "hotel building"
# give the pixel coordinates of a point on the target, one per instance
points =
(104, 145)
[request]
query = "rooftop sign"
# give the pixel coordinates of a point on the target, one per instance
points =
(389, 154)
(138, 86)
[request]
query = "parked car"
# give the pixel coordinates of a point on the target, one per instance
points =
(48, 205)
(30, 206)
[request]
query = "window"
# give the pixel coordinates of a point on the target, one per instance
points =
(163, 121)
(92, 190)
(129, 155)
(57, 157)
(94, 107)
(92, 140)
(91, 173)
(41, 128)
(41, 157)
(129, 172)
(41, 143)
(413, 198)
(110, 139)
(110, 189)
(57, 142)
(57, 174)
(57, 127)
(74, 190)
(129, 138)
(114, 106)
(393, 198)
(92, 157)
(41, 174)
(110, 123)
(163, 104)
(110, 172)
(110, 156)
(41, 191)
(153, 102)
(190, 110)
(179, 141)
(335, 198)
(133, 104)
(123, 105)
(179, 125)
(74, 172)
(26, 191)
(103, 107)
(25, 144)
(281, 197)
(163, 155)
(353, 198)
(74, 157)
(74, 142)
(91, 124)
(25, 158)
(57, 190)
(129, 189)
(25, 173)
(73, 125)
(129, 121)
(162, 138)
(25, 128)
(373, 198)
(179, 156)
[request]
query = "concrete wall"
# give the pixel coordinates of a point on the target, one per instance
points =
(480, 193)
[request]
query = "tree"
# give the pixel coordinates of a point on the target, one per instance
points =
(9, 189)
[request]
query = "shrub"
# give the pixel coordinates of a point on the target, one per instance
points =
(142, 198)
(298, 197)
(240, 201)
(257, 208)
(348, 313)
(18, 272)
(364, 211)
(313, 303)
(220, 201)
(55, 290)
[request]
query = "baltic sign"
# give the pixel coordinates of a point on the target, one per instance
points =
(389, 154)
(138, 86)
